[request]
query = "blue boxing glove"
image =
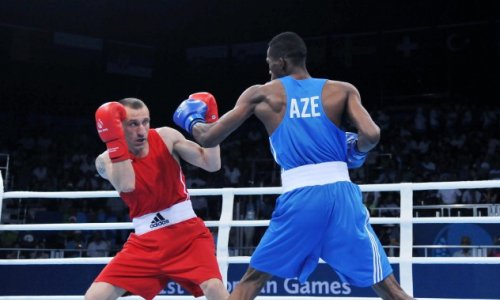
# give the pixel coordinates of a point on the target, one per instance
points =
(190, 112)
(355, 158)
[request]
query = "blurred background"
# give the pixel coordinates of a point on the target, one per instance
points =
(427, 71)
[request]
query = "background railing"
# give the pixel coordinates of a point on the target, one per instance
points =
(438, 210)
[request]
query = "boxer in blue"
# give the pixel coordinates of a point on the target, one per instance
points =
(320, 213)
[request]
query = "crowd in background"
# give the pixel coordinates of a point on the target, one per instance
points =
(438, 142)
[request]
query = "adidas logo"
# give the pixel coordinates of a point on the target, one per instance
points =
(159, 220)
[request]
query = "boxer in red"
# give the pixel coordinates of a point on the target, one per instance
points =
(169, 241)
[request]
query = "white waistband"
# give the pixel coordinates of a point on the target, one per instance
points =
(314, 174)
(175, 214)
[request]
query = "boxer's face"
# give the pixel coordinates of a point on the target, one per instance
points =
(136, 127)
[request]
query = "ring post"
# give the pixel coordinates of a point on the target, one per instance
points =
(226, 216)
(406, 238)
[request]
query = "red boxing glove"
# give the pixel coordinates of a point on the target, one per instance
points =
(212, 113)
(108, 118)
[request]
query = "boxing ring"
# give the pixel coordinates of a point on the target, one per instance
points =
(406, 261)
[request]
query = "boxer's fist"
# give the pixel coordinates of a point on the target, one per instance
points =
(108, 118)
(212, 113)
(190, 112)
(355, 158)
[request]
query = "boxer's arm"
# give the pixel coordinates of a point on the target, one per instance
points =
(209, 135)
(368, 131)
(121, 175)
(205, 158)
(101, 167)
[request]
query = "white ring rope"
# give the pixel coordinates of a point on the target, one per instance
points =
(385, 187)
(245, 259)
(406, 221)
(238, 223)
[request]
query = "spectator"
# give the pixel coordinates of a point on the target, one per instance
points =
(420, 121)
(434, 119)
(76, 242)
(389, 237)
(232, 175)
(495, 252)
(466, 251)
(249, 232)
(389, 205)
(490, 196)
(449, 196)
(472, 196)
(97, 246)
(200, 206)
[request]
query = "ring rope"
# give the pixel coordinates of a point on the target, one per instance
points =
(246, 259)
(237, 223)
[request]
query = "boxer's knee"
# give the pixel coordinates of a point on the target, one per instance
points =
(103, 291)
(214, 289)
